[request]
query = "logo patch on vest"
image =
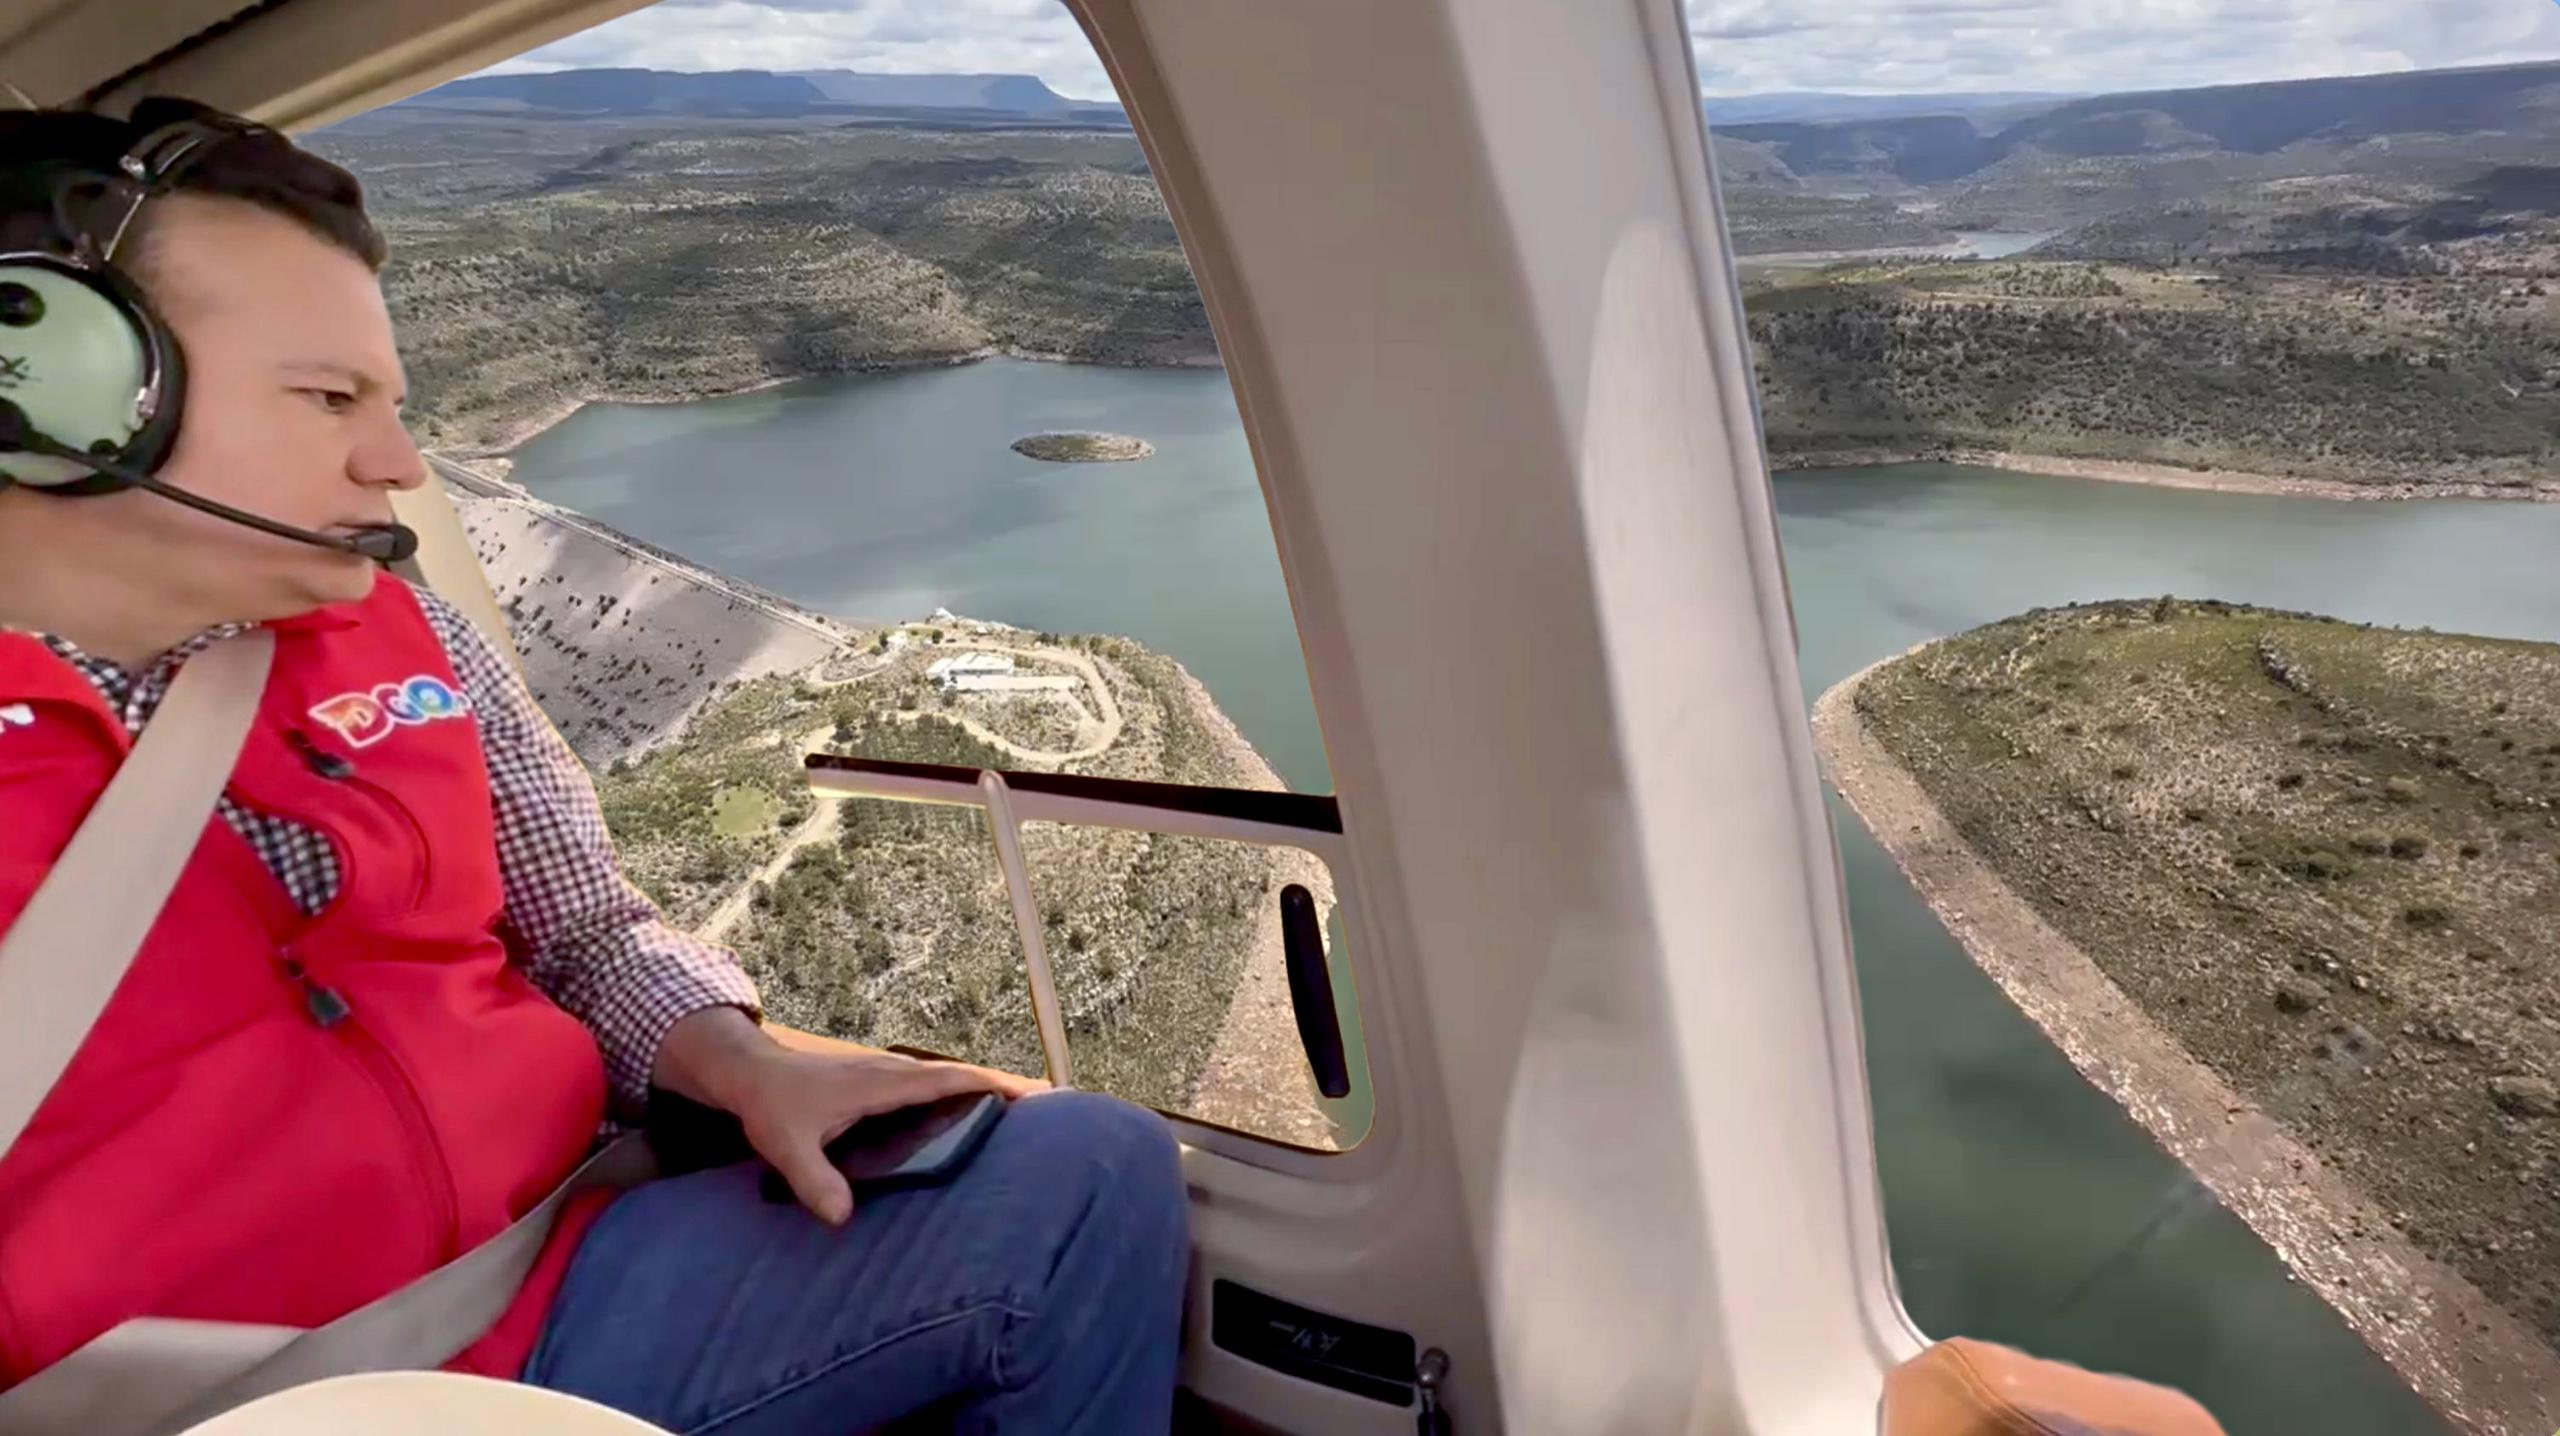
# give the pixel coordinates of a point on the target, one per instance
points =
(364, 719)
(17, 715)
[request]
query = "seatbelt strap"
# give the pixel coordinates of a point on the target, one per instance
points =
(72, 943)
(159, 1375)
(62, 960)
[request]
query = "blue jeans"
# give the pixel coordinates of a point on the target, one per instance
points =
(1039, 1292)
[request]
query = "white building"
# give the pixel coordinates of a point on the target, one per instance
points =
(1019, 683)
(958, 670)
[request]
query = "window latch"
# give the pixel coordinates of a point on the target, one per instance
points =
(1428, 1373)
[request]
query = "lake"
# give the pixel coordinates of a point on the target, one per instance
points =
(1967, 244)
(2023, 1205)
(887, 496)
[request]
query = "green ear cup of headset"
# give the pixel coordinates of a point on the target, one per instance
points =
(83, 358)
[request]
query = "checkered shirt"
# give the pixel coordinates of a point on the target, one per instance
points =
(589, 939)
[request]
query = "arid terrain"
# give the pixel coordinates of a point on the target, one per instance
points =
(890, 923)
(2324, 857)
(2446, 380)
(694, 697)
(2346, 280)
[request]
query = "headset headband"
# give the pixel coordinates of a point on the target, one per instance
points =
(156, 161)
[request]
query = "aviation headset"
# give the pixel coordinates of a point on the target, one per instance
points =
(92, 380)
(85, 362)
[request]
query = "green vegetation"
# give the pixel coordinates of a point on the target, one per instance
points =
(675, 813)
(1147, 935)
(2287, 838)
(2353, 377)
(1770, 213)
(646, 258)
(1169, 738)
(904, 933)
(926, 739)
(743, 812)
(899, 932)
(895, 926)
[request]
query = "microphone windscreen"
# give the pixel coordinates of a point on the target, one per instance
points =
(390, 543)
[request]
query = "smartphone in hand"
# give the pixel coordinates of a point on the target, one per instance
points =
(911, 1147)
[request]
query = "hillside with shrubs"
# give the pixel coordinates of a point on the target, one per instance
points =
(2325, 856)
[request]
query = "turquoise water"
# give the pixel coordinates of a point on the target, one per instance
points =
(2023, 1205)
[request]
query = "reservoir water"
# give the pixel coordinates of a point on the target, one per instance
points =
(2000, 244)
(887, 496)
(2023, 1205)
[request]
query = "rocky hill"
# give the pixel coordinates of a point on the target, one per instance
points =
(890, 923)
(2427, 155)
(2308, 291)
(2495, 110)
(2326, 857)
(538, 265)
(1792, 106)
(2449, 379)
(2514, 101)
(959, 99)
(2384, 223)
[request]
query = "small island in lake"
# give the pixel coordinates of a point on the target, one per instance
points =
(1083, 447)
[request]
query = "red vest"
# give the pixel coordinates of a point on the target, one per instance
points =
(279, 1118)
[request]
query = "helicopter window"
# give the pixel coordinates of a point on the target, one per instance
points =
(2198, 868)
(831, 407)
(1169, 1040)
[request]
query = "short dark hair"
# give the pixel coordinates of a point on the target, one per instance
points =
(43, 151)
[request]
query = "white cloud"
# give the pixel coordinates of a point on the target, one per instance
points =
(1742, 45)
(909, 37)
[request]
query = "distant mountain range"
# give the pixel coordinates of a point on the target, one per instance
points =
(1917, 139)
(2520, 101)
(1818, 105)
(1027, 94)
(760, 93)
(790, 92)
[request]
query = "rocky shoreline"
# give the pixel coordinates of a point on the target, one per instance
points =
(2485, 1371)
(2126, 471)
(1256, 1078)
(512, 434)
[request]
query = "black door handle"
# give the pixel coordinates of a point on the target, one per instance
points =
(1311, 991)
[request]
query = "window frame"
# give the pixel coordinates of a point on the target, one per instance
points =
(1309, 822)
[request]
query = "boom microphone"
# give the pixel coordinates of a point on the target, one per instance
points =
(383, 543)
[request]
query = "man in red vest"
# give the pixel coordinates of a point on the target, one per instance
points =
(402, 981)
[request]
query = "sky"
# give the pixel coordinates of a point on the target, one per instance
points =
(1743, 46)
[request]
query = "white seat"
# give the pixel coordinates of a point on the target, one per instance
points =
(421, 1403)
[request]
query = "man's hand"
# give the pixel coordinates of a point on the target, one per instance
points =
(793, 1101)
